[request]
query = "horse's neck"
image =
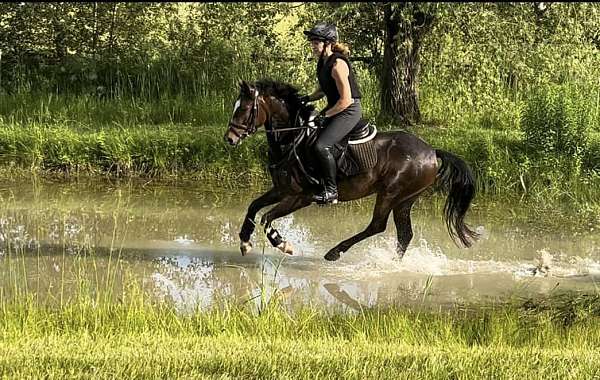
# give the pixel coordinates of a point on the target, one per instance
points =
(278, 113)
(278, 118)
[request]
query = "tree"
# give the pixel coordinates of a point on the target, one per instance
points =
(406, 24)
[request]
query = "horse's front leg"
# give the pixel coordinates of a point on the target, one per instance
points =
(287, 206)
(270, 197)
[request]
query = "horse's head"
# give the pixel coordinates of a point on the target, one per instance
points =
(249, 114)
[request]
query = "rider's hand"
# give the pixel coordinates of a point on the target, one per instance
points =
(321, 119)
(304, 99)
(316, 119)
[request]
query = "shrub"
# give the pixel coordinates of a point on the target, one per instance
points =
(557, 123)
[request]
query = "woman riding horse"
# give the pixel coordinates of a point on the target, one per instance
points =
(405, 168)
(343, 111)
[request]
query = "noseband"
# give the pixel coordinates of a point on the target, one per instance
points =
(250, 126)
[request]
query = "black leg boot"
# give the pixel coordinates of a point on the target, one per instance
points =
(329, 169)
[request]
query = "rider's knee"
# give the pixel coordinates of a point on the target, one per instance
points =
(320, 148)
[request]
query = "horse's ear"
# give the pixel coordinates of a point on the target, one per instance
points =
(245, 88)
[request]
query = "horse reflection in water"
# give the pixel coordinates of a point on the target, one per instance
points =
(406, 167)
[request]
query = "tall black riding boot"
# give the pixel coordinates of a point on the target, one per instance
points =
(329, 169)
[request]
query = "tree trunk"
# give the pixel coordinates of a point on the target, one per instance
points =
(95, 38)
(111, 36)
(60, 46)
(401, 65)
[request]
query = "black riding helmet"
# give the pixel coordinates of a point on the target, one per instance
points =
(322, 32)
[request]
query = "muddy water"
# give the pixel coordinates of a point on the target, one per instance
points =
(179, 244)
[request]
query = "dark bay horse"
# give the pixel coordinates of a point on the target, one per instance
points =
(406, 167)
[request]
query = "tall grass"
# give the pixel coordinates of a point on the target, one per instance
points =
(92, 112)
(163, 150)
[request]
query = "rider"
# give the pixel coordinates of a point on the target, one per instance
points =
(343, 111)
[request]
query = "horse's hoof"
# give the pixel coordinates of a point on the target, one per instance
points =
(400, 254)
(245, 247)
(263, 220)
(332, 256)
(286, 247)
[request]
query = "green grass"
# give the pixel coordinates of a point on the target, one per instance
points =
(136, 340)
(151, 151)
(504, 169)
(159, 357)
(91, 112)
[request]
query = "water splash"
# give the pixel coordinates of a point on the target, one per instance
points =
(548, 264)
(299, 235)
(184, 240)
(380, 258)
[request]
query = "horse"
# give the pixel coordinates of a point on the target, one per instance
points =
(406, 167)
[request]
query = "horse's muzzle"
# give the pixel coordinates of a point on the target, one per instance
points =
(229, 140)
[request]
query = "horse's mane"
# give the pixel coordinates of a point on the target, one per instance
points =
(287, 93)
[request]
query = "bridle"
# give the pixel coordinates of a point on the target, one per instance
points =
(250, 126)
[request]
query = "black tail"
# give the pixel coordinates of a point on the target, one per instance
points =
(456, 178)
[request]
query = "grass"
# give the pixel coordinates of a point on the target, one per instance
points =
(91, 112)
(151, 151)
(159, 357)
(498, 157)
(136, 340)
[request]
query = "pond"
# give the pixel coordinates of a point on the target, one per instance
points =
(179, 243)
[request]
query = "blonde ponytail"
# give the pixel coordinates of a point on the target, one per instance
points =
(342, 48)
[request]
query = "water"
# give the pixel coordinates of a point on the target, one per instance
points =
(179, 243)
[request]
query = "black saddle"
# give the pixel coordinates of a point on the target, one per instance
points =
(347, 164)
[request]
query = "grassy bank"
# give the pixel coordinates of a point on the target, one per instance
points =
(150, 151)
(555, 338)
(502, 165)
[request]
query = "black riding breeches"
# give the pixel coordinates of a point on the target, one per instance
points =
(336, 129)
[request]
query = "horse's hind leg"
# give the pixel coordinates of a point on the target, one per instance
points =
(403, 225)
(285, 207)
(383, 207)
(268, 198)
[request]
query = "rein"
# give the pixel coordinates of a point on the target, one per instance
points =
(285, 129)
(291, 153)
(250, 126)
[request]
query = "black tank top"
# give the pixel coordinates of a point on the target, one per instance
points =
(327, 82)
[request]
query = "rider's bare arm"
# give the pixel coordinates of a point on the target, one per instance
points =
(340, 73)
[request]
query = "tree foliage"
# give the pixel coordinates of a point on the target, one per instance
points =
(479, 60)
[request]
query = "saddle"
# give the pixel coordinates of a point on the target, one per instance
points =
(354, 154)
